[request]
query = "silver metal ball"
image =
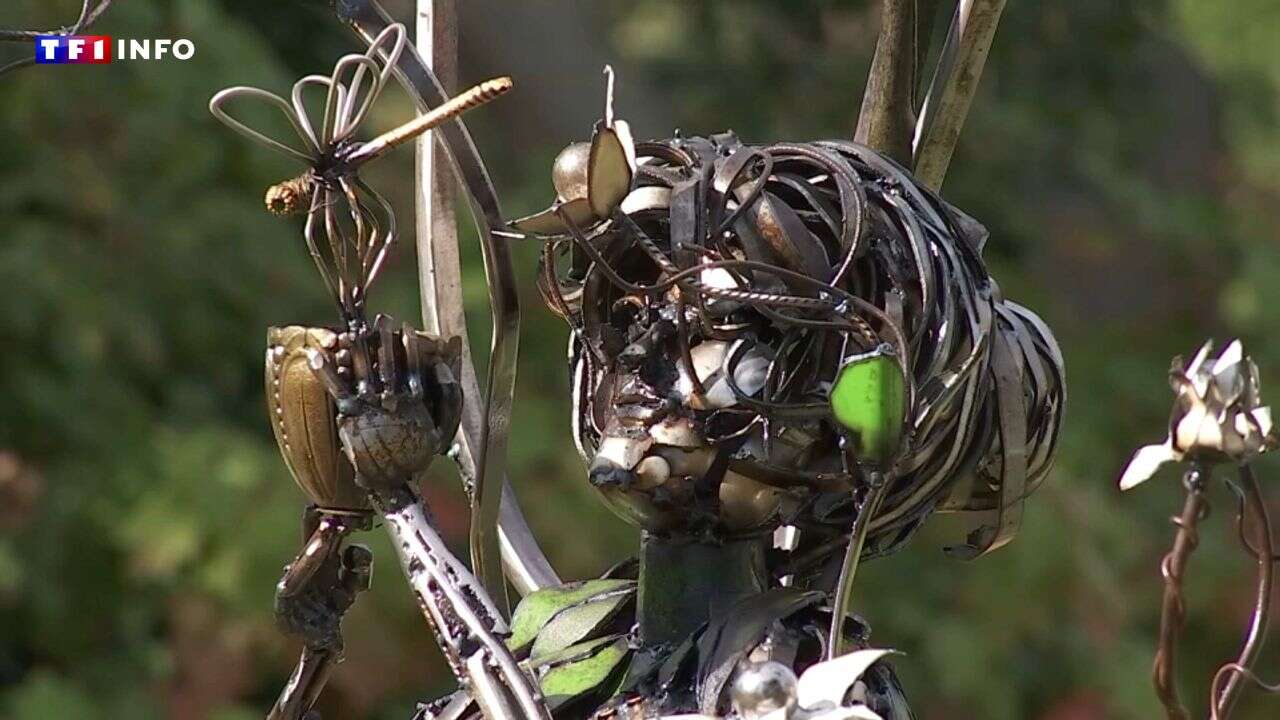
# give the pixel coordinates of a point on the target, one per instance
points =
(569, 172)
(762, 689)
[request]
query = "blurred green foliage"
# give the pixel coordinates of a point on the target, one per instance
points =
(1126, 157)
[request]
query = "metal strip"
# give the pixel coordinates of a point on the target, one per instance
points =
(483, 431)
(955, 81)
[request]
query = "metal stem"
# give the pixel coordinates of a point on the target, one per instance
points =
(1256, 505)
(483, 431)
(1173, 610)
(955, 81)
(879, 485)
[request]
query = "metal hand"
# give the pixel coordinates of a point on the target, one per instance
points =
(398, 406)
(398, 400)
(312, 597)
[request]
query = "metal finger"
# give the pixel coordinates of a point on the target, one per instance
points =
(357, 568)
(387, 366)
(413, 358)
(323, 366)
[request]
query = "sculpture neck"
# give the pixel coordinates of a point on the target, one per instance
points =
(684, 582)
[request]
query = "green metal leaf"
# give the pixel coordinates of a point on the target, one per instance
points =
(571, 679)
(868, 399)
(537, 608)
(576, 622)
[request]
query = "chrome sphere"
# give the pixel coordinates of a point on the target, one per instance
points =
(569, 173)
(762, 689)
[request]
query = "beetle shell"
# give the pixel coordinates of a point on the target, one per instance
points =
(303, 417)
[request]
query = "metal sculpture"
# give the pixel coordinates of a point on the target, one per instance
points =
(784, 358)
(388, 396)
(1218, 419)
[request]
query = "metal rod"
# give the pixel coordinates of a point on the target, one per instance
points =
(1173, 611)
(1225, 701)
(482, 438)
(955, 81)
(879, 485)
(476, 96)
(304, 686)
(886, 121)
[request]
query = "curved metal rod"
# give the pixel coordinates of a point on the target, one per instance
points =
(878, 485)
(396, 35)
(300, 109)
(87, 17)
(483, 432)
(1224, 702)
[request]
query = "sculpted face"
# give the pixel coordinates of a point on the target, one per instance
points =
(666, 447)
(665, 420)
(736, 312)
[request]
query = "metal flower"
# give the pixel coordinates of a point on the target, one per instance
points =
(1218, 415)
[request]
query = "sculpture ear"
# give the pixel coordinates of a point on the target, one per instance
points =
(869, 401)
(610, 168)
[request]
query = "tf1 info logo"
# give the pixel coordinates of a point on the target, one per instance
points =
(97, 49)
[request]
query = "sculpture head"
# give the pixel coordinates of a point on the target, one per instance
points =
(718, 294)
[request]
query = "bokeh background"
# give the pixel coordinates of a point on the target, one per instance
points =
(1125, 156)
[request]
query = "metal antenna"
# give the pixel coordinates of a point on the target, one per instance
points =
(955, 81)
(888, 110)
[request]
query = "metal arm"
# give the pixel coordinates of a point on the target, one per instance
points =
(317, 589)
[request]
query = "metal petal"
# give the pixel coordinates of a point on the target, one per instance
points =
(1145, 462)
(826, 683)
(303, 416)
(548, 223)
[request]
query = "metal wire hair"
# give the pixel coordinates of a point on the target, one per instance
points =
(809, 253)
